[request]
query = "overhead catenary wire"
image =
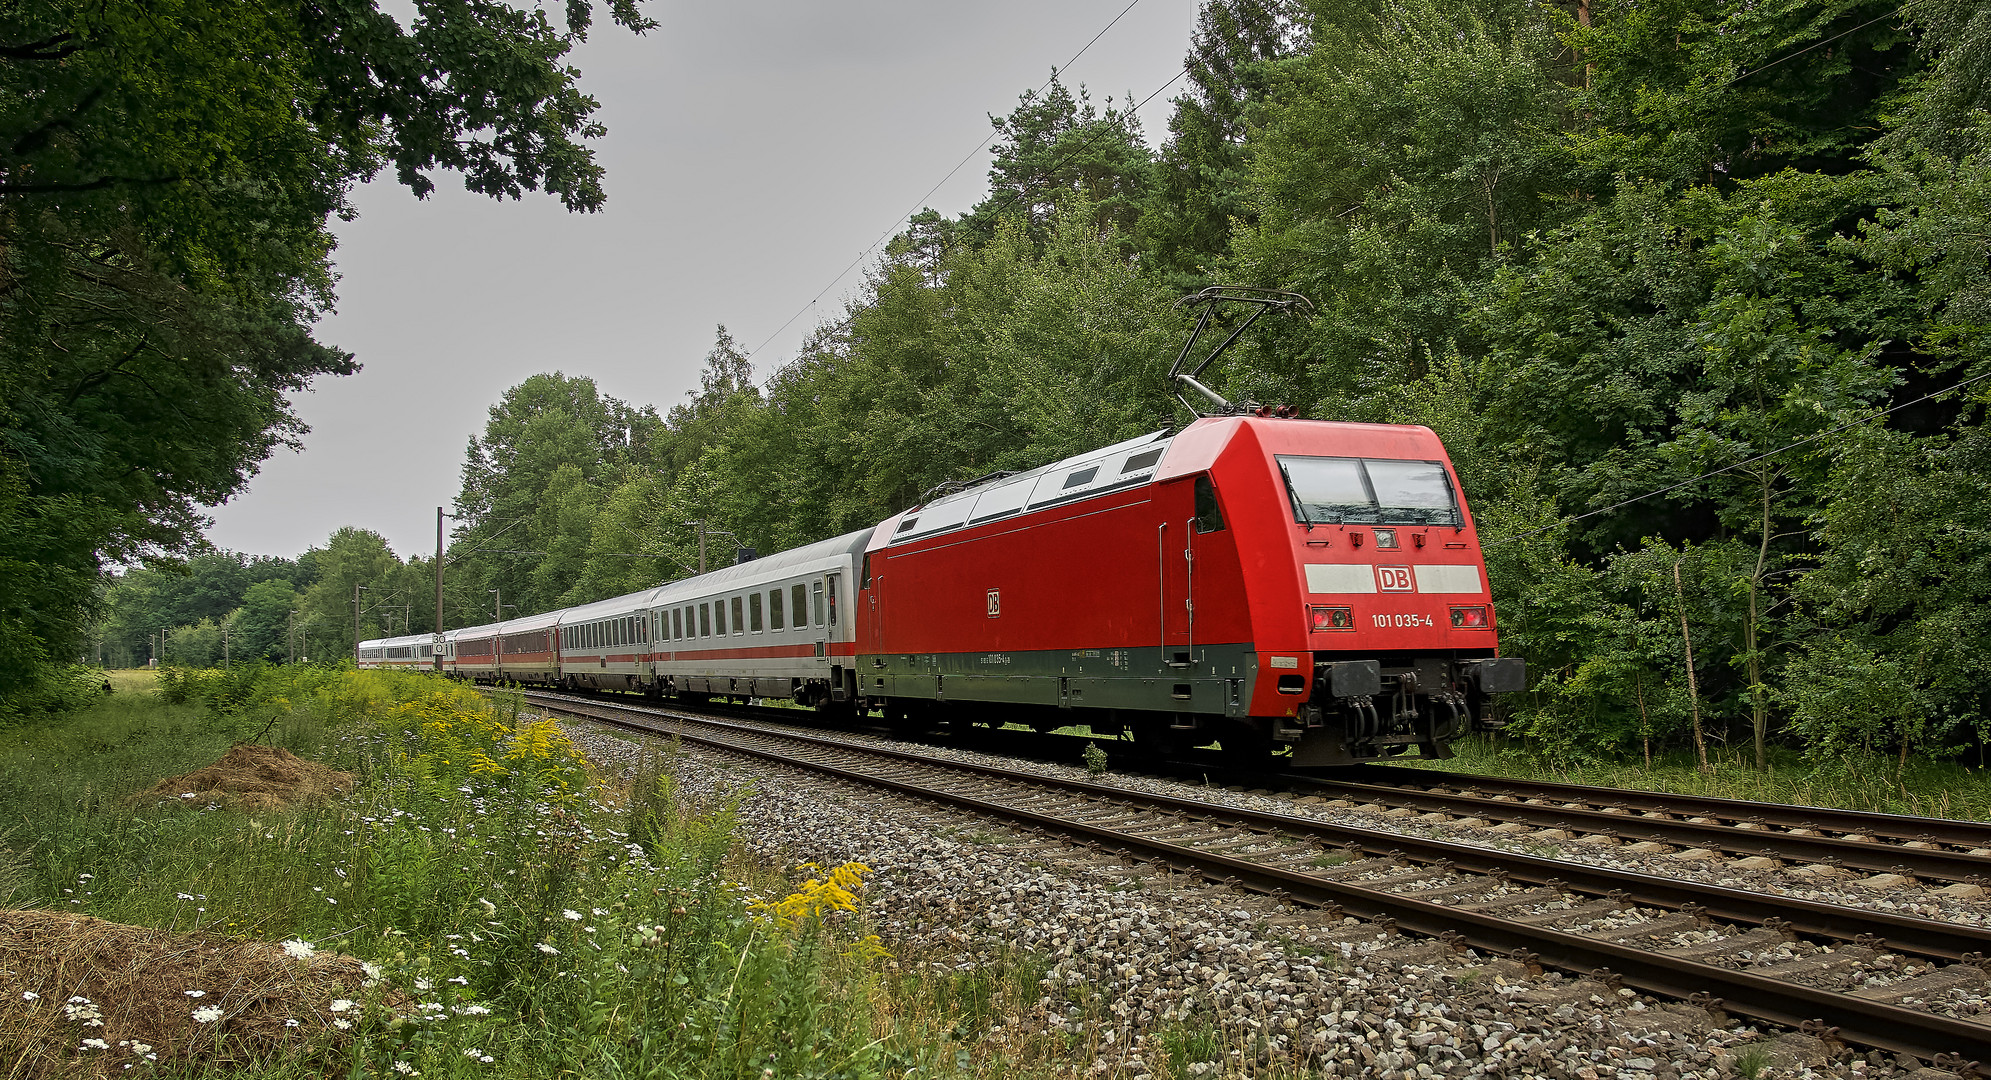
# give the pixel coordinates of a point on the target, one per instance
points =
(1732, 466)
(1011, 197)
(892, 229)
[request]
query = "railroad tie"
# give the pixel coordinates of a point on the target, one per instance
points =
(1924, 986)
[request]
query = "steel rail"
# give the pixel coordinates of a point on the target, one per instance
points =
(1924, 1035)
(1954, 831)
(1917, 936)
(1830, 850)
(1623, 807)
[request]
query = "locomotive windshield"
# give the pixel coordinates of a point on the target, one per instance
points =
(1369, 491)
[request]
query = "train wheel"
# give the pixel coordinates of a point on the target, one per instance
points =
(1245, 745)
(904, 721)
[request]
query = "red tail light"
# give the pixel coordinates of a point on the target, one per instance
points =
(1469, 618)
(1330, 618)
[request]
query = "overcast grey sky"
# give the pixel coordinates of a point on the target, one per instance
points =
(754, 149)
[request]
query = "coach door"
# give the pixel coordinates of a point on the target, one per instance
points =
(820, 610)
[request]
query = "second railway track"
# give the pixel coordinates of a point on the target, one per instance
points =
(1906, 985)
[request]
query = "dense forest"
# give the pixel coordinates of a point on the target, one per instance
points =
(1697, 295)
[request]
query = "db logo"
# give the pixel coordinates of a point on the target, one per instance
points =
(1394, 578)
(995, 603)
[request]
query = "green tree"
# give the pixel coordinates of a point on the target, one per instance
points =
(1402, 157)
(326, 616)
(167, 170)
(259, 629)
(1055, 146)
(543, 437)
(1199, 175)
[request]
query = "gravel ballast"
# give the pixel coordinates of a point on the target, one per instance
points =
(1129, 954)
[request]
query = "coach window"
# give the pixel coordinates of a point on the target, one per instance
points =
(753, 613)
(739, 624)
(774, 609)
(705, 620)
(719, 617)
(801, 597)
(1209, 516)
(677, 624)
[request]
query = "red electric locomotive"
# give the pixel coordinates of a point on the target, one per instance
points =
(1256, 580)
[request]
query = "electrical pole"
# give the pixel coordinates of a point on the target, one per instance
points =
(290, 650)
(436, 641)
(224, 647)
(700, 526)
(357, 589)
(498, 604)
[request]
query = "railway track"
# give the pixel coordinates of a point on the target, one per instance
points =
(1905, 985)
(1939, 848)
(1848, 841)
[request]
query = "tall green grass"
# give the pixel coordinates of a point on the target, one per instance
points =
(529, 920)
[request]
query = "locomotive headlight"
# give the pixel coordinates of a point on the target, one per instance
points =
(1320, 617)
(1469, 618)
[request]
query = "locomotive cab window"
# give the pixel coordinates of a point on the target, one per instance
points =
(1370, 491)
(1209, 516)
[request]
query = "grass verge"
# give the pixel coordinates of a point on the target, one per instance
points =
(519, 918)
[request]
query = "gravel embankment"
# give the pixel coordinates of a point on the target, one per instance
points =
(1152, 953)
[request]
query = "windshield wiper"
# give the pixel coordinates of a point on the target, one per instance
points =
(1298, 503)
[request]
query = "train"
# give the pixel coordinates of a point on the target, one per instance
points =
(1307, 589)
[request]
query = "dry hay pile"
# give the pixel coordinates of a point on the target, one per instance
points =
(255, 777)
(81, 997)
